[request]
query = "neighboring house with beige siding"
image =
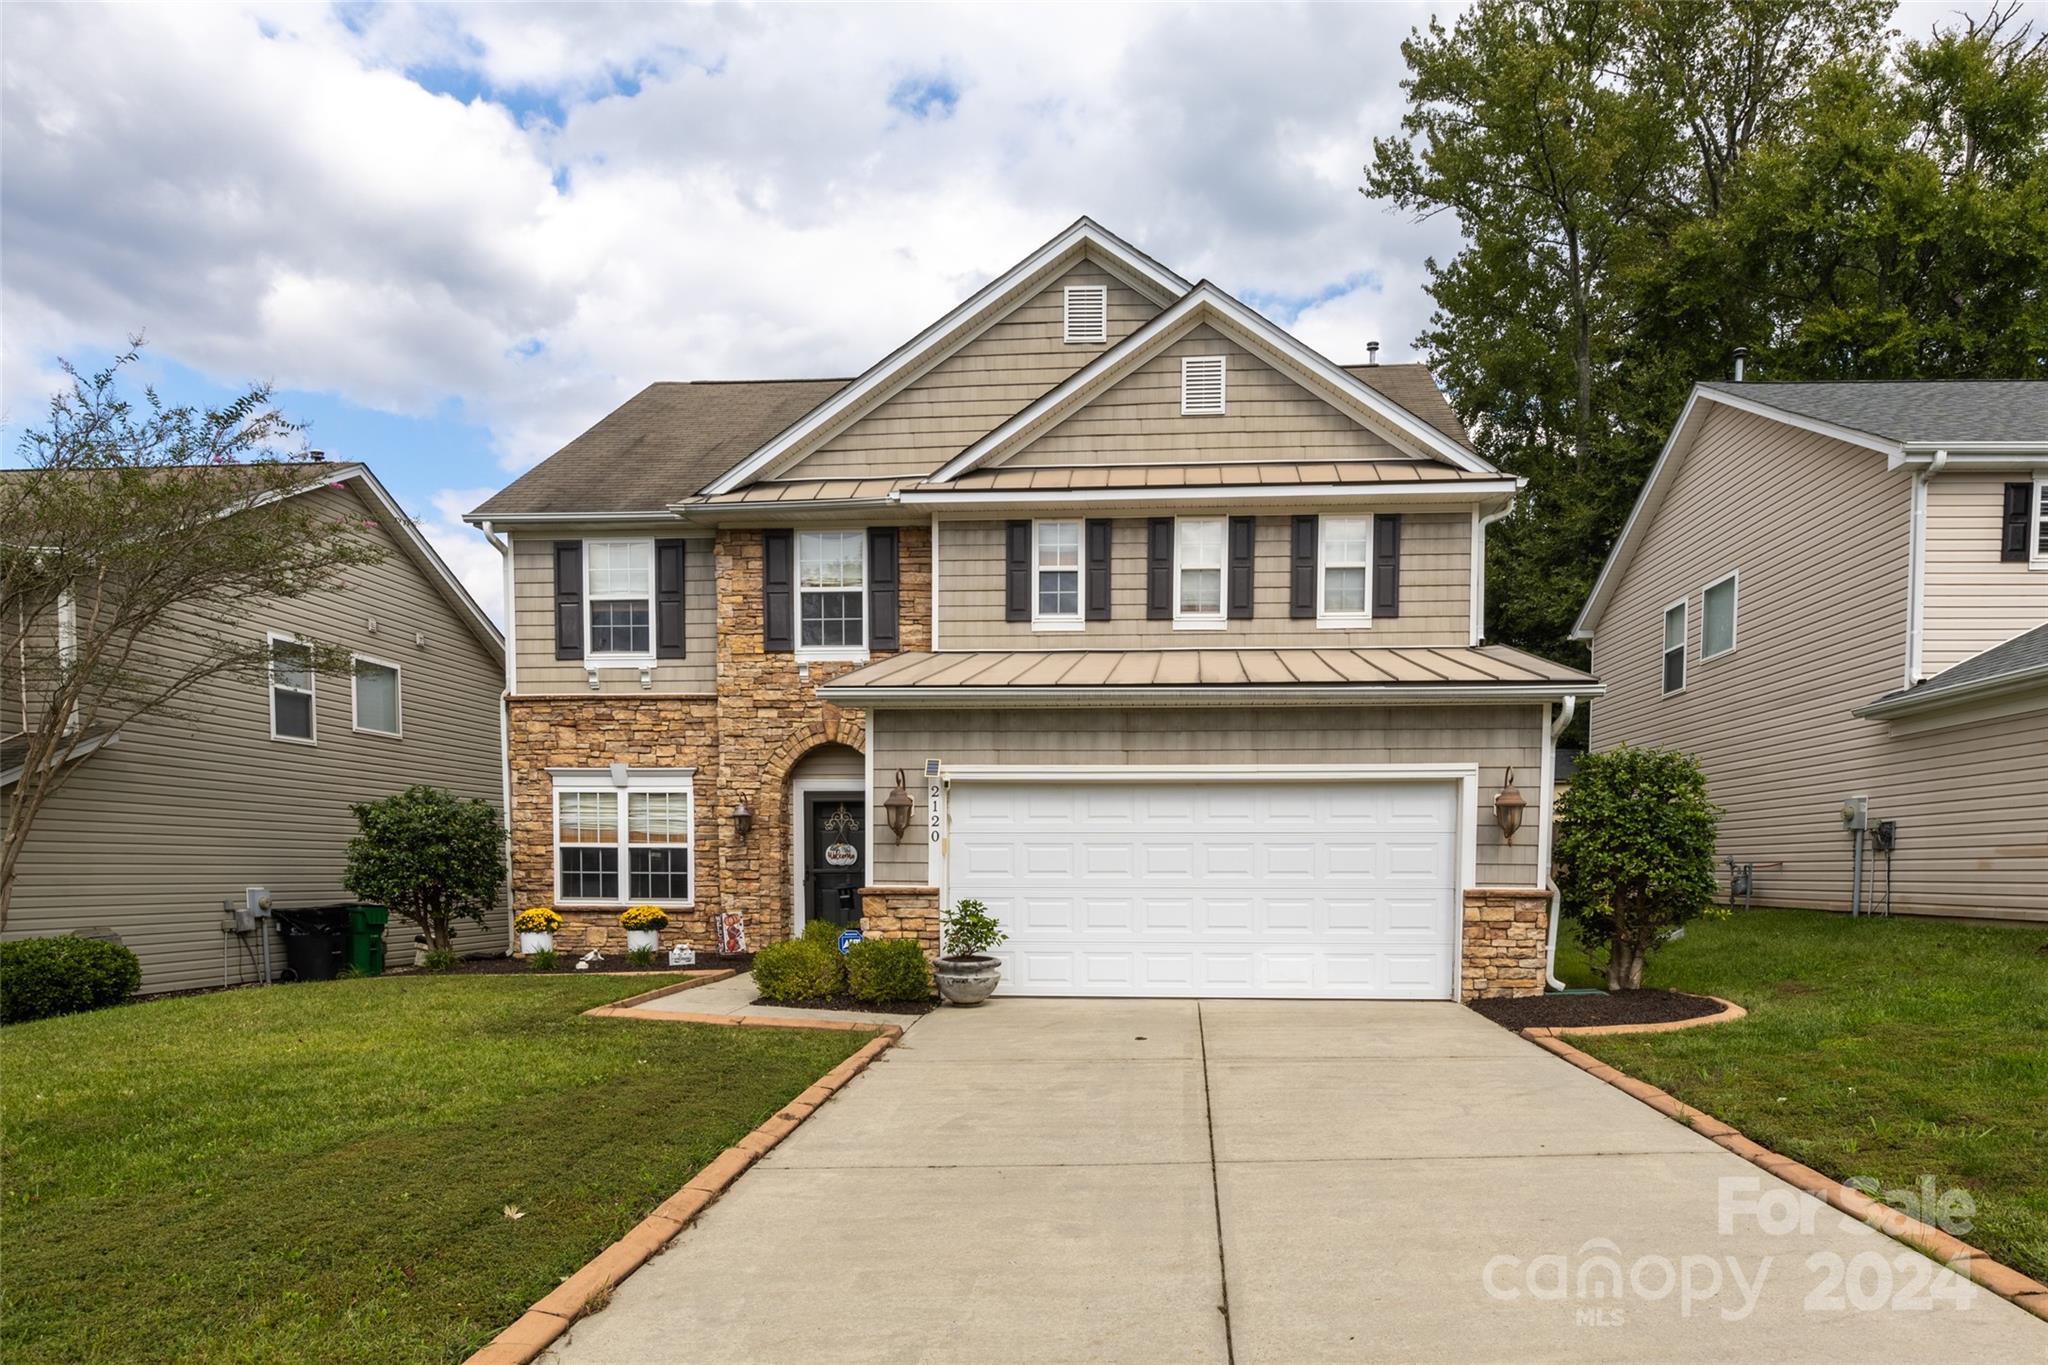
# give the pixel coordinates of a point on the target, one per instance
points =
(1837, 594)
(156, 835)
(1158, 631)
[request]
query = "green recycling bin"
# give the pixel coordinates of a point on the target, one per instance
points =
(366, 938)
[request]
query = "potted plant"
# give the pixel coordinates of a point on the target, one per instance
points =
(967, 974)
(644, 924)
(537, 929)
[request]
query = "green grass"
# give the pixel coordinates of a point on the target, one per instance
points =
(1893, 1049)
(321, 1172)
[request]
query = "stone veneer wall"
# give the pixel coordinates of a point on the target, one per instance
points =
(902, 912)
(1506, 937)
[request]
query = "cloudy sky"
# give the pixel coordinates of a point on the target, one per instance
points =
(455, 237)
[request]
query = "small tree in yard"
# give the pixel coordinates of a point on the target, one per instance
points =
(1635, 853)
(429, 856)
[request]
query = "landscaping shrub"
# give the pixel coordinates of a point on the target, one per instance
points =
(41, 977)
(969, 930)
(884, 969)
(798, 970)
(1635, 853)
(438, 960)
(429, 855)
(542, 961)
(824, 933)
(641, 957)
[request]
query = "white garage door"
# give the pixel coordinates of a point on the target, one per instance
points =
(1330, 889)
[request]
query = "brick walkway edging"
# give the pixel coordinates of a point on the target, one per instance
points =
(539, 1327)
(1999, 1278)
(1730, 1012)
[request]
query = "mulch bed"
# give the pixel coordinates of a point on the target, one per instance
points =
(565, 964)
(1593, 1011)
(847, 1002)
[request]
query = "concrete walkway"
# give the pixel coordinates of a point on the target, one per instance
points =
(736, 995)
(1051, 1181)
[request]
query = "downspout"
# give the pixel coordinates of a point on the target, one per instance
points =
(1916, 566)
(1557, 727)
(1479, 525)
(504, 548)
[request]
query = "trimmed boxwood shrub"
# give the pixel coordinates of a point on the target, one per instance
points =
(798, 970)
(41, 977)
(879, 970)
(824, 933)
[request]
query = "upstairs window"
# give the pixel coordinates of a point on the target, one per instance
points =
(2040, 557)
(831, 590)
(1057, 566)
(291, 689)
(1347, 570)
(1674, 647)
(1201, 385)
(620, 577)
(1087, 319)
(1198, 571)
(1717, 618)
(376, 696)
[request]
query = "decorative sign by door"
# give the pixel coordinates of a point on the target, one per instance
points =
(842, 823)
(841, 855)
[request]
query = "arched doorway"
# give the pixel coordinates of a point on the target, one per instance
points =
(828, 820)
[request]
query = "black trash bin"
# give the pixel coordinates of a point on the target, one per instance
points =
(315, 942)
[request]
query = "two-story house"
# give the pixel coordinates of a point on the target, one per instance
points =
(1836, 596)
(1102, 600)
(164, 826)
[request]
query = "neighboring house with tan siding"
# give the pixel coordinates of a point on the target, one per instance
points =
(155, 835)
(1840, 590)
(1159, 630)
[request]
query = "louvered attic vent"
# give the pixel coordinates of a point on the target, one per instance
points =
(1201, 385)
(1088, 313)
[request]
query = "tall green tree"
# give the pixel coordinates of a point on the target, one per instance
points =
(1642, 186)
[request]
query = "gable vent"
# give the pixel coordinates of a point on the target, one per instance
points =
(1088, 313)
(1201, 385)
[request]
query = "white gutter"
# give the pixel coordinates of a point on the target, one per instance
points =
(512, 518)
(1543, 860)
(1479, 525)
(1216, 694)
(1444, 490)
(504, 548)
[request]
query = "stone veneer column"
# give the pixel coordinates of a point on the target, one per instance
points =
(902, 912)
(1506, 937)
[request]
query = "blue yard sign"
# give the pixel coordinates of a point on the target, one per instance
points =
(847, 938)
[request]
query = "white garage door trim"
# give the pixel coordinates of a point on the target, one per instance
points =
(1466, 775)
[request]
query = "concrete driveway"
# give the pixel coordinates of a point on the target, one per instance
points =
(1054, 1180)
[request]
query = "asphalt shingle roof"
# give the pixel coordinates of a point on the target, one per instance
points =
(1914, 412)
(2023, 654)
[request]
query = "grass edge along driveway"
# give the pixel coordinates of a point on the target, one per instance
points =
(324, 1172)
(1895, 1049)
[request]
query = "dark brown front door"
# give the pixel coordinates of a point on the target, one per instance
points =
(835, 844)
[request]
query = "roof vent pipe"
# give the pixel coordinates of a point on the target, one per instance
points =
(1372, 353)
(1741, 354)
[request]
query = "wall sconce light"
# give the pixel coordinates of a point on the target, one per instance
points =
(743, 818)
(1508, 806)
(898, 808)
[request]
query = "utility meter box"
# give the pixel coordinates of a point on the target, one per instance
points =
(1856, 813)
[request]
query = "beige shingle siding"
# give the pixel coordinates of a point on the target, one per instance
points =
(1436, 606)
(1974, 600)
(149, 836)
(533, 620)
(1266, 415)
(1498, 737)
(964, 396)
(1819, 531)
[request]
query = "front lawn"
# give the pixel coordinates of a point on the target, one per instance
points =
(322, 1172)
(1893, 1049)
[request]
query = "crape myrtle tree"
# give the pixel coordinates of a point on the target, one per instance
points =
(141, 543)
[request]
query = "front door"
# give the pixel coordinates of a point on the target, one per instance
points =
(835, 839)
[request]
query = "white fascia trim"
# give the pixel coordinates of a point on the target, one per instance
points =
(1966, 694)
(659, 514)
(1084, 232)
(1360, 694)
(1459, 491)
(1973, 455)
(1161, 330)
(82, 749)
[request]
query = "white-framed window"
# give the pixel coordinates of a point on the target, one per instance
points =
(618, 585)
(373, 696)
(1344, 577)
(1056, 588)
(1087, 314)
(1201, 385)
(291, 690)
(2037, 557)
(1674, 648)
(1717, 617)
(627, 844)
(831, 594)
(1198, 557)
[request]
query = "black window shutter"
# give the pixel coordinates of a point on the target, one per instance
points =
(1386, 566)
(1159, 569)
(884, 598)
(668, 600)
(1243, 534)
(1096, 536)
(1301, 586)
(778, 593)
(1017, 571)
(2019, 510)
(568, 599)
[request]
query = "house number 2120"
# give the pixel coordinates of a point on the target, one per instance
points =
(932, 805)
